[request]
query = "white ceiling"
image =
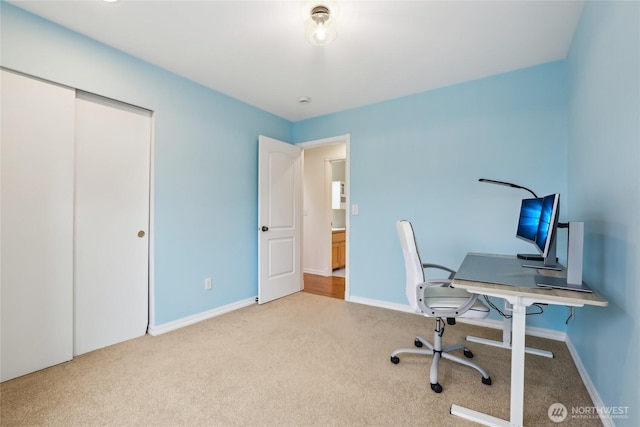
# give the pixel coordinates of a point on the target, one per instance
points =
(255, 51)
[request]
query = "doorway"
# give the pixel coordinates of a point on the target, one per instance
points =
(325, 236)
(336, 169)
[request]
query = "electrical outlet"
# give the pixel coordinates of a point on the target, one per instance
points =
(207, 284)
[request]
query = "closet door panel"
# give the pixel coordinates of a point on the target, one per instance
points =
(113, 143)
(36, 221)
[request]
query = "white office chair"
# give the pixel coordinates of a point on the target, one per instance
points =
(436, 298)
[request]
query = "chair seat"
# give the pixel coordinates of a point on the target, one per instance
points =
(444, 297)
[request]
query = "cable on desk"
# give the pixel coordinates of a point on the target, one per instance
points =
(571, 315)
(538, 305)
(509, 316)
(492, 305)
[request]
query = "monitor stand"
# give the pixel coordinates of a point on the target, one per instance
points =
(531, 257)
(541, 265)
(548, 263)
(573, 281)
(560, 283)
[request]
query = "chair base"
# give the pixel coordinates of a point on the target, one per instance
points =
(438, 352)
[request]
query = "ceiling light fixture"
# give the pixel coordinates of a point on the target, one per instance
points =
(320, 29)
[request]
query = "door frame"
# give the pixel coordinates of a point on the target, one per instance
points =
(340, 139)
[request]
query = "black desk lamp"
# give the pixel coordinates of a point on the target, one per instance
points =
(531, 257)
(507, 184)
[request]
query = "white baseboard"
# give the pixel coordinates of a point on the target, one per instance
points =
(155, 330)
(381, 304)
(591, 388)
(317, 272)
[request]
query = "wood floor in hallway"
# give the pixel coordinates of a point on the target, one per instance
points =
(331, 286)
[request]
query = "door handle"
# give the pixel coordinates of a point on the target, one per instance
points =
(140, 233)
(265, 228)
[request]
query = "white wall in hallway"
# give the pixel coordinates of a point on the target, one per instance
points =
(316, 251)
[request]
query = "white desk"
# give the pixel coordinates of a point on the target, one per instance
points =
(503, 276)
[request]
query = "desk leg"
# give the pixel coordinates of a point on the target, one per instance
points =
(506, 325)
(517, 364)
(517, 377)
(506, 337)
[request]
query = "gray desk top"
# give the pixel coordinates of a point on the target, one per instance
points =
(503, 270)
(504, 275)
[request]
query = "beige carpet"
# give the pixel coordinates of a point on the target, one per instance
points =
(302, 360)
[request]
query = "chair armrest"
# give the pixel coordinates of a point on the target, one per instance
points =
(440, 282)
(440, 267)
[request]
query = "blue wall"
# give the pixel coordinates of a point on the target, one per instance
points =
(420, 157)
(206, 157)
(604, 184)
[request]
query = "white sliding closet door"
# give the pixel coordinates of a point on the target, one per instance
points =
(113, 143)
(36, 217)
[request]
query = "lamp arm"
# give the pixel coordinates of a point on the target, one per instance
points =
(508, 184)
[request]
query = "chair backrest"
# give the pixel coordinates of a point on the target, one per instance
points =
(412, 262)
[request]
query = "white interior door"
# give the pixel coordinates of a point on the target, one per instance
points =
(279, 219)
(36, 211)
(113, 142)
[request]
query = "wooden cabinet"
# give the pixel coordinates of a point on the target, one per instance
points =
(338, 249)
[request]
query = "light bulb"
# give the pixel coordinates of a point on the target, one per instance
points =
(321, 32)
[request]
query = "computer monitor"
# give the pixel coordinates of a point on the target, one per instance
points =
(547, 227)
(528, 225)
(546, 234)
(529, 219)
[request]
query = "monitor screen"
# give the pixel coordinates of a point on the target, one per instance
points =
(529, 219)
(546, 235)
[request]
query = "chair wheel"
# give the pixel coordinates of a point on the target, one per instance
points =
(395, 360)
(468, 354)
(486, 381)
(436, 387)
(417, 343)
